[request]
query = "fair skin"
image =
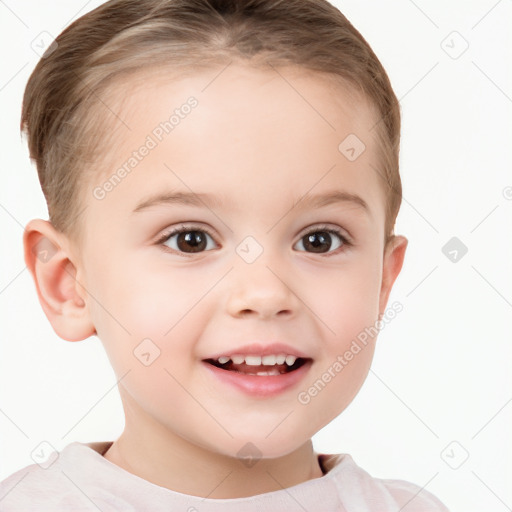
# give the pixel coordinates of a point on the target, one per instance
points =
(257, 145)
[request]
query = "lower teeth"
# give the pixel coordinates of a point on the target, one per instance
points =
(274, 371)
(271, 372)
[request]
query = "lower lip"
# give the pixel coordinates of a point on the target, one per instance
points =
(263, 385)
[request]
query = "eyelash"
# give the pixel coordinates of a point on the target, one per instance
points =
(346, 243)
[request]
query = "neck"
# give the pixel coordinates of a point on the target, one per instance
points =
(152, 452)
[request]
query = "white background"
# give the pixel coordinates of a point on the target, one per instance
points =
(441, 373)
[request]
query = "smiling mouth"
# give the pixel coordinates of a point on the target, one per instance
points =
(276, 369)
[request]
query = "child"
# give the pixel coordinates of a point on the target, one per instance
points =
(222, 184)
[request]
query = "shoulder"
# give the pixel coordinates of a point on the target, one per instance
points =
(412, 497)
(358, 488)
(48, 487)
(33, 488)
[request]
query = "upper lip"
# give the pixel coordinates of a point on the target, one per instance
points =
(260, 349)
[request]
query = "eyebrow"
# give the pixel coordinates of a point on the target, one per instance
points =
(211, 201)
(328, 198)
(183, 198)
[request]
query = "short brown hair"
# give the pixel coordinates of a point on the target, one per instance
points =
(61, 115)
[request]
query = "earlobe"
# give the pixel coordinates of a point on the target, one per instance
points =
(394, 255)
(54, 274)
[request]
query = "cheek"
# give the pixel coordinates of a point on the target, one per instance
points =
(346, 304)
(143, 309)
(144, 300)
(147, 323)
(345, 297)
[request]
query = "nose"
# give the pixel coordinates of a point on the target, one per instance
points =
(260, 291)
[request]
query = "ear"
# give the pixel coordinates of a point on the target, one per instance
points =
(54, 273)
(394, 254)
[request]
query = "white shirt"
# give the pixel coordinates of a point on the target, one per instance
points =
(82, 480)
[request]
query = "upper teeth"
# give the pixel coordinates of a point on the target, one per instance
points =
(258, 360)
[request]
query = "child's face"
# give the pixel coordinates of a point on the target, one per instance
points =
(258, 143)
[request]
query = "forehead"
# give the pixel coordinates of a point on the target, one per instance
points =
(250, 131)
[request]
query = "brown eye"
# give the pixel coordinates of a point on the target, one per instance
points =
(322, 241)
(187, 240)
